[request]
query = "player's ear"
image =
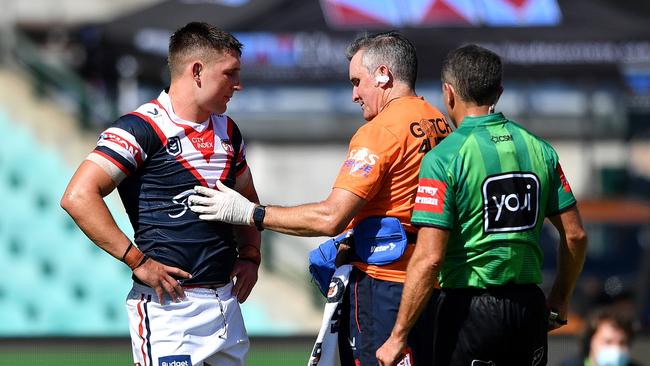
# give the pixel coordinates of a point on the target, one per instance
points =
(197, 67)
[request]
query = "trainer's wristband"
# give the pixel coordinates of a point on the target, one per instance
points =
(133, 257)
(250, 253)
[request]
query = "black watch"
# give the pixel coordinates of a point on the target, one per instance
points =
(258, 216)
(554, 316)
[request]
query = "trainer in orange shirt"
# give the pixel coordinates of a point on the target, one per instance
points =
(378, 178)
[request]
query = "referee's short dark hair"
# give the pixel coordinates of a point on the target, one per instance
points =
(198, 39)
(475, 73)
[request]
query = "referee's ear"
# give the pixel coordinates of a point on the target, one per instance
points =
(449, 95)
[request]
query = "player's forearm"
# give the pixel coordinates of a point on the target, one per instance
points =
(91, 214)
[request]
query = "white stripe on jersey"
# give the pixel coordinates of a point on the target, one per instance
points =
(124, 144)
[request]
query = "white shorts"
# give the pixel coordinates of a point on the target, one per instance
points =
(205, 328)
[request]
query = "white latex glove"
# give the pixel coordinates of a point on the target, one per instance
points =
(222, 204)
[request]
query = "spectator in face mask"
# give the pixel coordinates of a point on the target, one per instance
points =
(606, 341)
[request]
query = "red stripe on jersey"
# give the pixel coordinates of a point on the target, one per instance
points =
(202, 141)
(565, 182)
(115, 162)
(155, 127)
(141, 329)
(163, 140)
(356, 304)
(228, 165)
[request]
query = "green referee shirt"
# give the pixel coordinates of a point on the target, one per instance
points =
(490, 183)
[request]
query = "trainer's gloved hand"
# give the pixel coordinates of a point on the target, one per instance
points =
(222, 204)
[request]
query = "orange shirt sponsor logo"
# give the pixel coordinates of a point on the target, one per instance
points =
(360, 162)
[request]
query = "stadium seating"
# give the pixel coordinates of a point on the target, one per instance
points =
(57, 282)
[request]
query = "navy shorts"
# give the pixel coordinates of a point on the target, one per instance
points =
(370, 310)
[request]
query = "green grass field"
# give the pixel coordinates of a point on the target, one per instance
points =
(73, 352)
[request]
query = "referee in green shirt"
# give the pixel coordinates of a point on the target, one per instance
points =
(482, 198)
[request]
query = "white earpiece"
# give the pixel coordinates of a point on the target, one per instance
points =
(382, 78)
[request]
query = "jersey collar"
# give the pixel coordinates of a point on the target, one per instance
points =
(166, 103)
(486, 119)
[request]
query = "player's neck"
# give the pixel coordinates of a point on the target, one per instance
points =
(184, 105)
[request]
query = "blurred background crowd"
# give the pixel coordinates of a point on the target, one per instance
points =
(577, 73)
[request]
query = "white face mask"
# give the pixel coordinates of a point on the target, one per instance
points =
(612, 356)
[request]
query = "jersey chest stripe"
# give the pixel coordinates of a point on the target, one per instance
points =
(188, 130)
(163, 141)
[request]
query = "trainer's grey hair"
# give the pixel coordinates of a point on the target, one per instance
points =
(391, 49)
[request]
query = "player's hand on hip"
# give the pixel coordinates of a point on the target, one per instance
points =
(222, 204)
(245, 272)
(159, 277)
(390, 352)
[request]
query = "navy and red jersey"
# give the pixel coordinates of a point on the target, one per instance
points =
(163, 158)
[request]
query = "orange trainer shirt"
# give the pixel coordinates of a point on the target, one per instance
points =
(383, 165)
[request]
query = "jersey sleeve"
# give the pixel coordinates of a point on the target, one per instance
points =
(560, 193)
(435, 200)
(127, 143)
(238, 143)
(372, 152)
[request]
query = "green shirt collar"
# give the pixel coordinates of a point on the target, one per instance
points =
(486, 119)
